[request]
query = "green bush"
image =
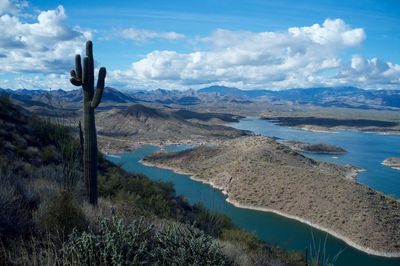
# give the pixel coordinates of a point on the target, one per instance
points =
(62, 215)
(210, 222)
(156, 197)
(15, 212)
(48, 154)
(185, 245)
(139, 243)
(5, 101)
(114, 244)
(239, 236)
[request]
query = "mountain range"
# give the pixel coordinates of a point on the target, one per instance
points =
(350, 97)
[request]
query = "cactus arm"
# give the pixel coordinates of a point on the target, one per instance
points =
(99, 88)
(75, 82)
(85, 73)
(89, 49)
(89, 54)
(76, 75)
(78, 67)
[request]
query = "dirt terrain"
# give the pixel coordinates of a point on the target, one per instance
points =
(133, 126)
(260, 173)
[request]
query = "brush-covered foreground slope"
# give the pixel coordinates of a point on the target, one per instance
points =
(139, 124)
(45, 219)
(260, 172)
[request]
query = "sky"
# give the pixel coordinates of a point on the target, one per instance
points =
(183, 44)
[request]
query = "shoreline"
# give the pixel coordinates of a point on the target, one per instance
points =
(349, 129)
(395, 167)
(319, 227)
(293, 217)
(320, 152)
(134, 146)
(334, 130)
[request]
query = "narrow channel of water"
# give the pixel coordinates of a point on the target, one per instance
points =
(284, 232)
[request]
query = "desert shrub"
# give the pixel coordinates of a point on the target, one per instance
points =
(159, 198)
(114, 244)
(5, 100)
(15, 213)
(249, 240)
(153, 196)
(210, 222)
(71, 165)
(62, 215)
(49, 154)
(185, 245)
(33, 251)
(46, 131)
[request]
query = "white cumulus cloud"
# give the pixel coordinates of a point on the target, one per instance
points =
(372, 73)
(292, 58)
(43, 46)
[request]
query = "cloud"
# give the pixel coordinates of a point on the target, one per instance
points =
(332, 32)
(43, 46)
(372, 73)
(11, 7)
(36, 81)
(142, 35)
(40, 51)
(292, 58)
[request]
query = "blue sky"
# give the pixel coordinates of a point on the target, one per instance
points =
(191, 44)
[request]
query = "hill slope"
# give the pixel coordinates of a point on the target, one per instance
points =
(45, 220)
(258, 172)
(142, 124)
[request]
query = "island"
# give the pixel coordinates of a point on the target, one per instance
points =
(393, 162)
(327, 124)
(260, 173)
(322, 148)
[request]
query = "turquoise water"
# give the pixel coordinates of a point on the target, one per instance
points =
(275, 229)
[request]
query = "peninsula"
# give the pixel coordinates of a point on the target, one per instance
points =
(259, 173)
(322, 148)
(393, 162)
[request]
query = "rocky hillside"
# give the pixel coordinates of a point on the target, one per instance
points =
(140, 124)
(322, 148)
(258, 172)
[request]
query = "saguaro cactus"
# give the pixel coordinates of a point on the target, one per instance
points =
(91, 99)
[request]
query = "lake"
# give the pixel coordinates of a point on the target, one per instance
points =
(364, 150)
